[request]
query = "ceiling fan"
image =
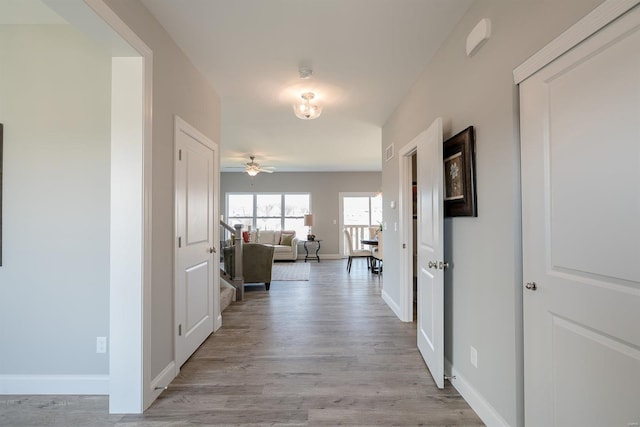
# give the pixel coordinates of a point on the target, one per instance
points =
(253, 168)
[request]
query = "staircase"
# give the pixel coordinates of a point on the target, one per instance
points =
(227, 293)
(231, 284)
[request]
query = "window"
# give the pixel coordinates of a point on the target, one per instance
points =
(362, 210)
(240, 208)
(269, 211)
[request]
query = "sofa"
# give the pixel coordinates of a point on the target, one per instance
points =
(284, 242)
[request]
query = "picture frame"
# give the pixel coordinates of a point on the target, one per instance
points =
(460, 175)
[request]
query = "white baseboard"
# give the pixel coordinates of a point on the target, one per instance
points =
(218, 323)
(485, 411)
(55, 384)
(161, 381)
(392, 304)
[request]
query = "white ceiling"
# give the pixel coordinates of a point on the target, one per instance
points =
(365, 55)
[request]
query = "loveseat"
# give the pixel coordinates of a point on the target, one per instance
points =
(285, 242)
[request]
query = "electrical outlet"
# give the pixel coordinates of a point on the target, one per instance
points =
(101, 344)
(474, 356)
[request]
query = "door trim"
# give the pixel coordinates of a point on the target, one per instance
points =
(590, 24)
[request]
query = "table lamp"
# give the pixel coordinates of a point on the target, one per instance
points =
(308, 222)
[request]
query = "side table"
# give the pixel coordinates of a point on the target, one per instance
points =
(306, 249)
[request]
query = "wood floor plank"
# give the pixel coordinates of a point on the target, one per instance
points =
(327, 351)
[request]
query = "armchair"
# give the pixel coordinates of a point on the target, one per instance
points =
(257, 262)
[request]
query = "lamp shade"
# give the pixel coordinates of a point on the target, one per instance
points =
(308, 220)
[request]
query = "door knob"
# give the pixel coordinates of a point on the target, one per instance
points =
(212, 250)
(443, 265)
(432, 264)
(531, 286)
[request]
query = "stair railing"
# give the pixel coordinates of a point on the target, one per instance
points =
(231, 252)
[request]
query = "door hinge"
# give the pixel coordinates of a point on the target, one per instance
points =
(179, 154)
(404, 246)
(180, 330)
(179, 242)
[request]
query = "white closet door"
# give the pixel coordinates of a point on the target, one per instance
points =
(580, 127)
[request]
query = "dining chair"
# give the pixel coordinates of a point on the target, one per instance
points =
(355, 253)
(376, 253)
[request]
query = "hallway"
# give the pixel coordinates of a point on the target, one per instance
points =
(323, 352)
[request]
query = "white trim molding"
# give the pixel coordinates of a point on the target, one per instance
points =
(478, 403)
(392, 305)
(55, 384)
(163, 379)
(594, 21)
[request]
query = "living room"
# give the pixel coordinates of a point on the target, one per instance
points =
(324, 189)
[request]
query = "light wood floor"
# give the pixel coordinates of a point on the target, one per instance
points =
(323, 352)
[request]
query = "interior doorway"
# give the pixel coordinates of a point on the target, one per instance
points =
(409, 229)
(130, 386)
(414, 234)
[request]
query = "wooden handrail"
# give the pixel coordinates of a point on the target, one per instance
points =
(227, 226)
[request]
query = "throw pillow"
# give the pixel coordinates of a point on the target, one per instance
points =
(245, 236)
(285, 239)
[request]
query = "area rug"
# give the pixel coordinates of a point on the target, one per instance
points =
(290, 271)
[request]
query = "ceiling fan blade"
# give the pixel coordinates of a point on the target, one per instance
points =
(265, 170)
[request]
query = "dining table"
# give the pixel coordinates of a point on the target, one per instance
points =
(371, 242)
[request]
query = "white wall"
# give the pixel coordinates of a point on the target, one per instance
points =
(483, 289)
(55, 90)
(178, 88)
(324, 188)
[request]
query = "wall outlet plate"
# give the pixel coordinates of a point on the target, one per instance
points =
(101, 344)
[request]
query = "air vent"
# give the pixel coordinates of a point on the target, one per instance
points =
(388, 153)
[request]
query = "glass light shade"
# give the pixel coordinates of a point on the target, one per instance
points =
(305, 110)
(252, 171)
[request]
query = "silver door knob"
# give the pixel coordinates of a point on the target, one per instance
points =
(212, 250)
(443, 265)
(432, 264)
(531, 286)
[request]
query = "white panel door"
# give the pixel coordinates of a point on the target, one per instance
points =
(195, 232)
(430, 250)
(580, 123)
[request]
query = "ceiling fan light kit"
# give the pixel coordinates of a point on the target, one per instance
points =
(305, 110)
(252, 168)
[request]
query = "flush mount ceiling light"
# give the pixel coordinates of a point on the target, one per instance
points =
(305, 110)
